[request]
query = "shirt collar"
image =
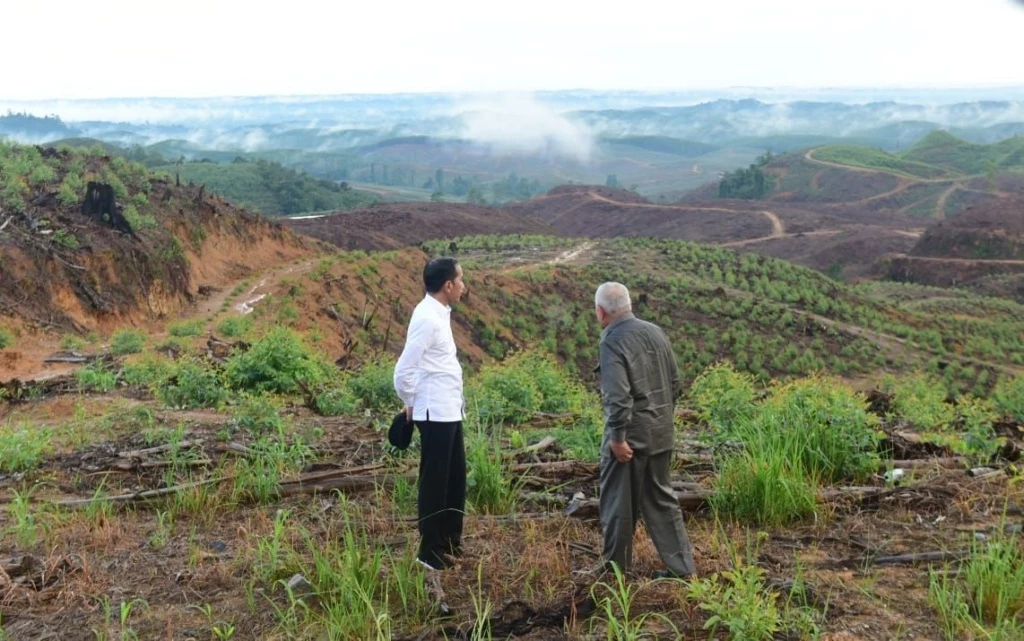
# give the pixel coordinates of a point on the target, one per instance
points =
(438, 306)
(618, 321)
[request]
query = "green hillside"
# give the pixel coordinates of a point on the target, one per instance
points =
(942, 149)
(269, 187)
(870, 158)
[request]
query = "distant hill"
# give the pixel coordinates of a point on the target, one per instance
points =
(991, 231)
(269, 187)
(942, 149)
(664, 144)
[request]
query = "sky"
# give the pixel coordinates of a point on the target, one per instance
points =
(68, 49)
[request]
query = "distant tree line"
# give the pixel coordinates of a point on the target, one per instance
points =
(751, 183)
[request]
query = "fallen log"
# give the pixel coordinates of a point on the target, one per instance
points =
(142, 496)
(697, 499)
(543, 444)
(158, 449)
(939, 556)
(556, 468)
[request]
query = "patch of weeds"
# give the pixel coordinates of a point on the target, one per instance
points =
(235, 326)
(127, 341)
(277, 362)
(373, 385)
(164, 530)
(21, 448)
(337, 400)
(96, 378)
(1008, 396)
(72, 342)
(488, 487)
(23, 520)
(259, 476)
(615, 610)
(193, 386)
(985, 597)
(740, 602)
(149, 370)
(186, 329)
(723, 396)
(920, 400)
(258, 414)
(6, 338)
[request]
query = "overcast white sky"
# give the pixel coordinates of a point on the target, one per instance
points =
(186, 48)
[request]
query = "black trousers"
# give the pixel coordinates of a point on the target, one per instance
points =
(442, 488)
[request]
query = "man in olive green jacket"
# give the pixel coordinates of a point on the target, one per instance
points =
(639, 387)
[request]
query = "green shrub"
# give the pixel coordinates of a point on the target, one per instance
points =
(373, 385)
(186, 329)
(235, 326)
(258, 414)
(72, 342)
(826, 424)
(1008, 396)
(96, 378)
(277, 362)
(66, 239)
(920, 400)
(127, 341)
(21, 448)
(6, 338)
(723, 397)
(192, 386)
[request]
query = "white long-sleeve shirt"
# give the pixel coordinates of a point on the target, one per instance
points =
(428, 376)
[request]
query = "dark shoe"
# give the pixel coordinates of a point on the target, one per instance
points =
(669, 574)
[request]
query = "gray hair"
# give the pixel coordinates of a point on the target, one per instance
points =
(613, 298)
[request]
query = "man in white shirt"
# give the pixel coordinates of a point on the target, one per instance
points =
(428, 379)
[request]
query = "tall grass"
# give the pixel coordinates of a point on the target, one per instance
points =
(805, 434)
(984, 599)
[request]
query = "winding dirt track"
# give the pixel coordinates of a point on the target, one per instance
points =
(778, 229)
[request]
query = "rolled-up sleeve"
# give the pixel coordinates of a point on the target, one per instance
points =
(615, 392)
(419, 338)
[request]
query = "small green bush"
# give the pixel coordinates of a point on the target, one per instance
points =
(235, 326)
(6, 338)
(186, 329)
(21, 448)
(1008, 397)
(258, 414)
(193, 386)
(723, 396)
(127, 341)
(373, 385)
(920, 400)
(277, 362)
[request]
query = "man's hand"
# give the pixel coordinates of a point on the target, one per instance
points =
(408, 415)
(621, 450)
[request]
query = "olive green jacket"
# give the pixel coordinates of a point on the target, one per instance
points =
(639, 384)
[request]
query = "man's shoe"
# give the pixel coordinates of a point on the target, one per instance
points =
(434, 562)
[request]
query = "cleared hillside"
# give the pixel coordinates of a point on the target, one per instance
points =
(394, 225)
(155, 252)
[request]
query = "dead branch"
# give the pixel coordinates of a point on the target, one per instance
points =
(543, 444)
(158, 448)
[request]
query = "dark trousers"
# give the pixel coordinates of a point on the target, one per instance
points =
(642, 487)
(442, 488)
